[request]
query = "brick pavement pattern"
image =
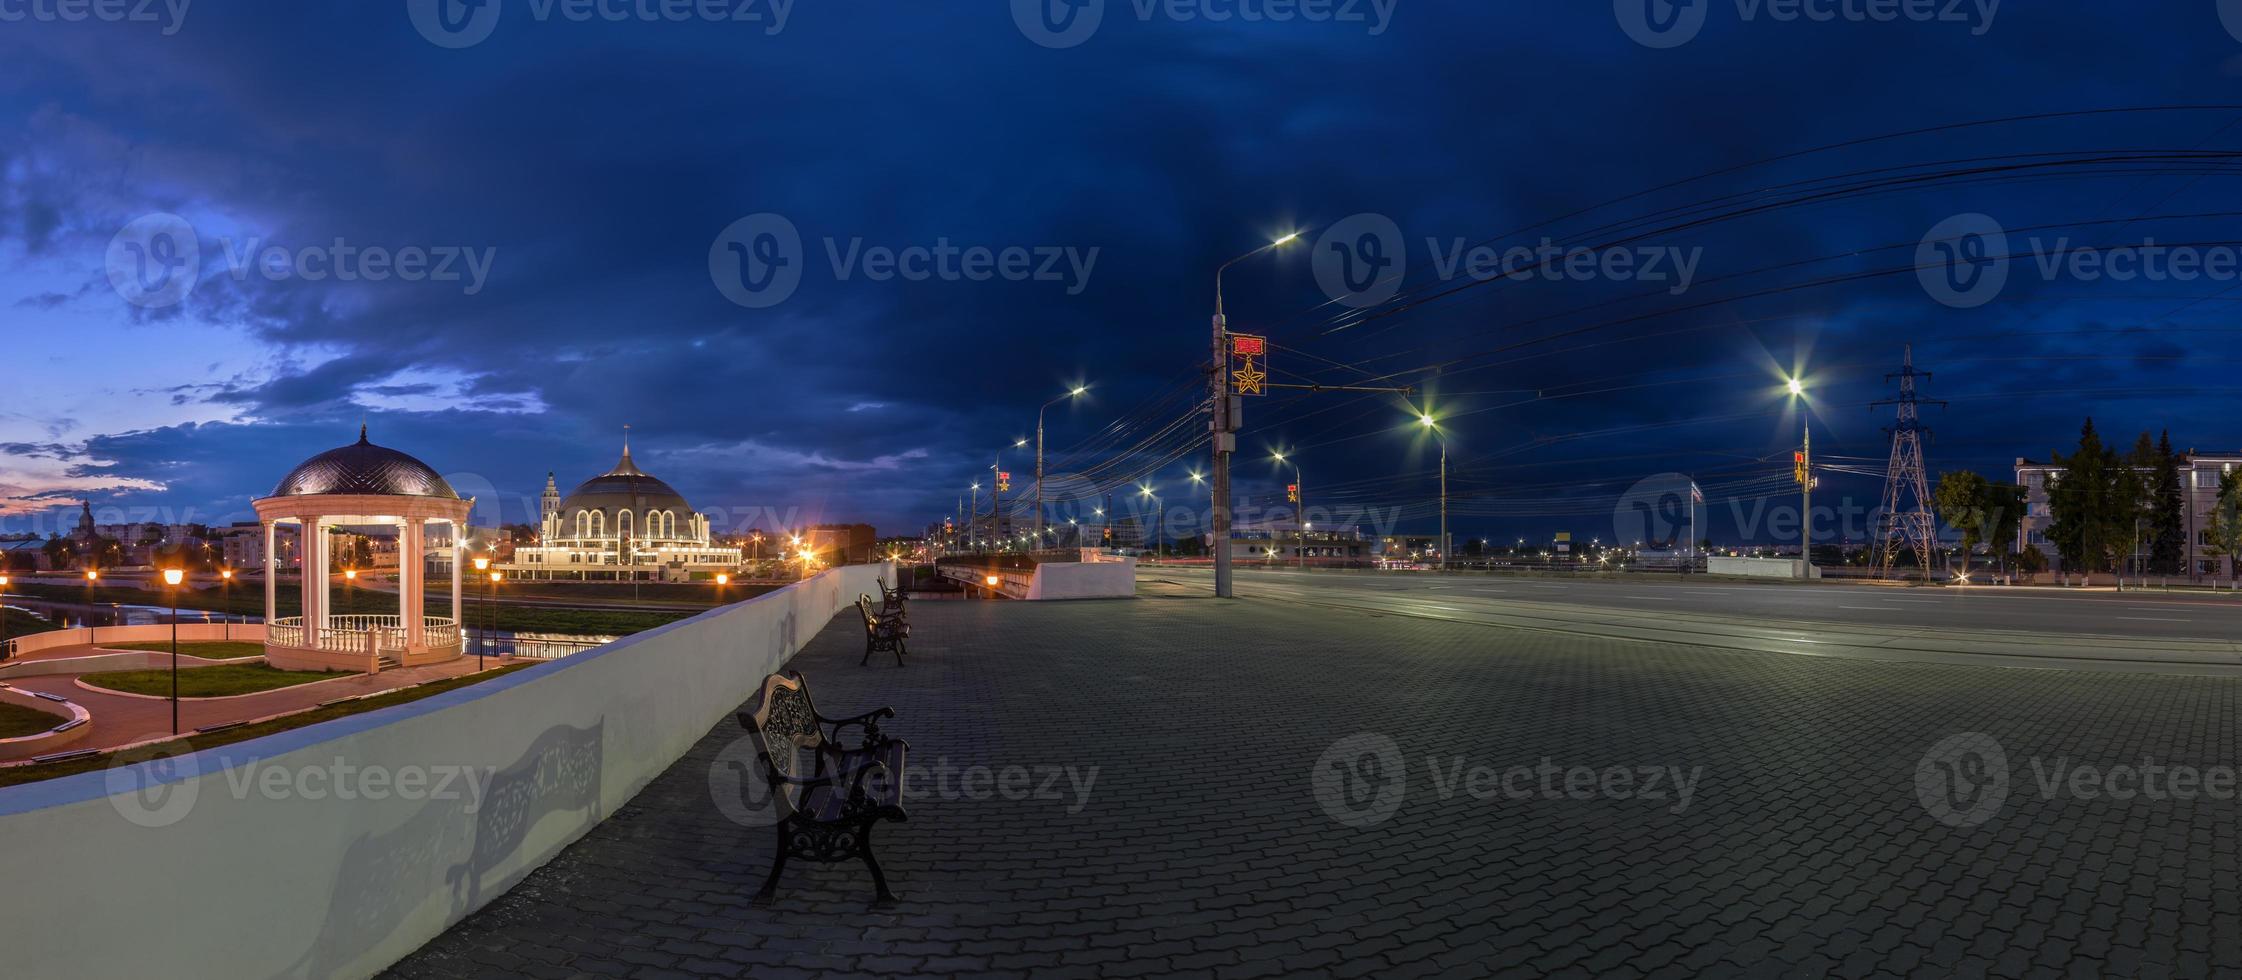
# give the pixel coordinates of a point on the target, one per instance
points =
(1205, 848)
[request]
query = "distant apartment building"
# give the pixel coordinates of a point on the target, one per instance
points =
(1407, 547)
(842, 544)
(2199, 489)
(1281, 541)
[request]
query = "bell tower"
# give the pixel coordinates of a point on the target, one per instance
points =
(548, 509)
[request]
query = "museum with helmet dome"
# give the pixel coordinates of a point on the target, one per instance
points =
(622, 524)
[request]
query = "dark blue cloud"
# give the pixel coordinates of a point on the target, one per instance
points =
(598, 163)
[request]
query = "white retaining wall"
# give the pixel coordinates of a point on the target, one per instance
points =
(244, 861)
(144, 633)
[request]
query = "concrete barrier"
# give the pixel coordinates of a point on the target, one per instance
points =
(333, 850)
(1790, 568)
(1104, 579)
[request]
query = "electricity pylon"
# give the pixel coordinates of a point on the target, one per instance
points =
(1907, 527)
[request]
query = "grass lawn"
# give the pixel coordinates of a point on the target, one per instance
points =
(214, 650)
(206, 682)
(17, 721)
(17, 775)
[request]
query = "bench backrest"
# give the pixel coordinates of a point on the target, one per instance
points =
(864, 606)
(784, 727)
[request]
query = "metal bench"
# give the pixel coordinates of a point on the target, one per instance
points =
(826, 816)
(882, 631)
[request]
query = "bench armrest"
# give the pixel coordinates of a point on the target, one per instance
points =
(869, 722)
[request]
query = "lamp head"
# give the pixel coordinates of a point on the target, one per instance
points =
(1288, 239)
(351, 574)
(1797, 387)
(723, 579)
(1426, 420)
(173, 576)
(224, 573)
(92, 575)
(482, 564)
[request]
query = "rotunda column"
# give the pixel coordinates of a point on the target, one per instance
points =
(411, 546)
(272, 574)
(311, 550)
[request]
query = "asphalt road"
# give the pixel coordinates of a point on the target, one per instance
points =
(2009, 622)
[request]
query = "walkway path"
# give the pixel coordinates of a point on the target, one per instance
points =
(1224, 813)
(122, 720)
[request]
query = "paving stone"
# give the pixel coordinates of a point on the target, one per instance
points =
(1203, 845)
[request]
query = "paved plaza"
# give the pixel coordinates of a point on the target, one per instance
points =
(1209, 788)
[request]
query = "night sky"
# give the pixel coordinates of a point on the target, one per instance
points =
(632, 185)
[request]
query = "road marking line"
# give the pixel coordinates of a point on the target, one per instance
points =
(2151, 619)
(1871, 608)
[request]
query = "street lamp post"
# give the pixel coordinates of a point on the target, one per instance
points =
(3, 618)
(226, 589)
(1433, 425)
(1299, 508)
(1225, 424)
(171, 578)
(496, 577)
(350, 592)
(1806, 478)
(1159, 537)
(1075, 393)
(92, 576)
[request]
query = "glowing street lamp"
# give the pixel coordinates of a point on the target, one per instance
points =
(1805, 474)
(1076, 392)
(171, 578)
(225, 589)
(1432, 425)
(3, 619)
(92, 576)
(350, 591)
(482, 635)
(1225, 438)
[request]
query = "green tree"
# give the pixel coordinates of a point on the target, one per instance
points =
(2094, 503)
(1960, 499)
(2225, 526)
(2168, 517)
